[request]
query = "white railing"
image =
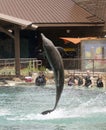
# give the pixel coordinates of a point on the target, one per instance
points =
(7, 66)
(29, 65)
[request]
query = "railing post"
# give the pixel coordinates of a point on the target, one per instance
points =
(17, 50)
(93, 66)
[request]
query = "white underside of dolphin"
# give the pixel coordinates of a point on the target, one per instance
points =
(55, 60)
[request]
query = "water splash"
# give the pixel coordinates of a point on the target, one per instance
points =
(82, 111)
(4, 112)
(83, 107)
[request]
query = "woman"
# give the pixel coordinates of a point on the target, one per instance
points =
(88, 80)
(99, 81)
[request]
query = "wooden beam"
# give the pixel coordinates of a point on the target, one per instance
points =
(6, 32)
(17, 50)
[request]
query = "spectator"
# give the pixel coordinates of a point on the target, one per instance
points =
(99, 81)
(71, 81)
(75, 80)
(88, 80)
(40, 80)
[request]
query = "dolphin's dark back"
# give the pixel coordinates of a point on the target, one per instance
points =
(56, 63)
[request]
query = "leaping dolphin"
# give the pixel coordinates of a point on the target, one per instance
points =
(56, 63)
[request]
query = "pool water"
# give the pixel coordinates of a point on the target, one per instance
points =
(78, 109)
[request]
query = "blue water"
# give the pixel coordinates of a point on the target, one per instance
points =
(78, 109)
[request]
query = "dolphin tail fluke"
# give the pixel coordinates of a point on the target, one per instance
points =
(47, 111)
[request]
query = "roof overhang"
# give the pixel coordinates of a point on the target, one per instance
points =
(17, 21)
(10, 20)
(69, 24)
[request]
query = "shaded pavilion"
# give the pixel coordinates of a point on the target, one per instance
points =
(54, 18)
(16, 25)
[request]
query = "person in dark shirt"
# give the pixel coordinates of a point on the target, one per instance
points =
(75, 80)
(88, 80)
(99, 82)
(71, 81)
(40, 80)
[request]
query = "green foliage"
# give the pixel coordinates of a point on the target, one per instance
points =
(42, 68)
(26, 69)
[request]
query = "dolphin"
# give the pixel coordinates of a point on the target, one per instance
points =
(55, 60)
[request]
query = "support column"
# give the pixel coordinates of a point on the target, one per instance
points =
(17, 50)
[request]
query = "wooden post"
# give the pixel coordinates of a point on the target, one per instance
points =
(17, 50)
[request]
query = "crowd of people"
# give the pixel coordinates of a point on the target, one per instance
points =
(86, 81)
(75, 80)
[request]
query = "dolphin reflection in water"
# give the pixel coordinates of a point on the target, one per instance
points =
(55, 60)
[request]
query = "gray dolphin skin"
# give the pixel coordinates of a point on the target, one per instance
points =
(56, 63)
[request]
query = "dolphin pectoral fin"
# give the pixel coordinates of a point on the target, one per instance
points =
(47, 111)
